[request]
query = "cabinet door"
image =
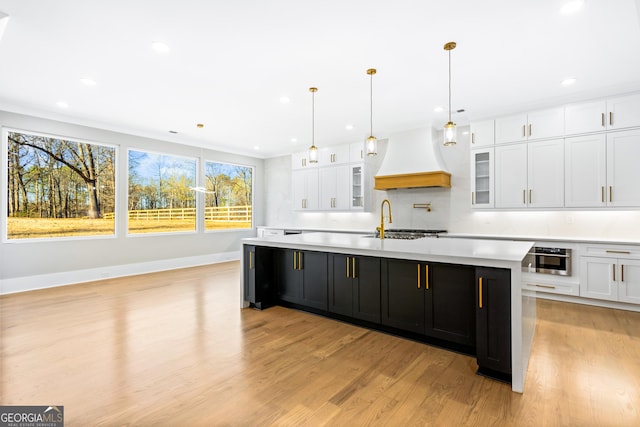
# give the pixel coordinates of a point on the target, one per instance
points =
(313, 288)
(482, 178)
(300, 160)
(333, 155)
(482, 133)
(366, 289)
(585, 117)
(597, 278)
(545, 123)
(623, 111)
(340, 284)
(629, 281)
(450, 303)
(511, 176)
(356, 152)
(249, 273)
(334, 192)
(545, 170)
(623, 173)
(585, 171)
(493, 320)
(305, 189)
(288, 276)
(356, 186)
(511, 129)
(403, 294)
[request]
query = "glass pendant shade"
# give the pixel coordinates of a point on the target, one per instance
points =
(371, 146)
(450, 134)
(313, 154)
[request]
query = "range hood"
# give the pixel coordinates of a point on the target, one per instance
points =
(412, 161)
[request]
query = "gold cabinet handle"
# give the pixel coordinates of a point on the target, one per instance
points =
(347, 263)
(524, 131)
(614, 272)
(544, 286)
(622, 272)
(300, 267)
(610, 118)
(602, 119)
(602, 193)
(530, 129)
(250, 260)
(426, 276)
(480, 292)
(473, 138)
(611, 193)
(418, 276)
(353, 267)
(611, 251)
(530, 195)
(295, 265)
(524, 197)
(473, 197)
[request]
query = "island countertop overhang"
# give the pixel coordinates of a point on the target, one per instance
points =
(481, 252)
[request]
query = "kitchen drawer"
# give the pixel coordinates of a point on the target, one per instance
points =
(552, 287)
(613, 251)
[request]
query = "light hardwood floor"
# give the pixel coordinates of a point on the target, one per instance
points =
(174, 349)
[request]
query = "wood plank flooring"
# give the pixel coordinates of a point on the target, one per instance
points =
(174, 349)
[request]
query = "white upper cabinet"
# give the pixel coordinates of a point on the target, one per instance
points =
(623, 170)
(585, 171)
(356, 152)
(333, 155)
(614, 113)
(541, 124)
(305, 189)
(482, 133)
(530, 175)
(482, 177)
(300, 160)
(334, 188)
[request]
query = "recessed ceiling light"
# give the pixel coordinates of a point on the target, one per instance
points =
(284, 99)
(294, 140)
(569, 81)
(62, 104)
(466, 132)
(160, 47)
(87, 81)
(349, 127)
(572, 6)
(255, 147)
(438, 110)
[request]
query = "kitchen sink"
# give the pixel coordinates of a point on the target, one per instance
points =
(407, 234)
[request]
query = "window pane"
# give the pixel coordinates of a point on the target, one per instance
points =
(59, 187)
(228, 197)
(161, 196)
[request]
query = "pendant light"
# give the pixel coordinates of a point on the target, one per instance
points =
(450, 127)
(313, 150)
(372, 142)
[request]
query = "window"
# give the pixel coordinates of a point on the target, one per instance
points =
(161, 197)
(58, 187)
(228, 196)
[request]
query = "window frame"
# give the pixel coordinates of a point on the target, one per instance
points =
(204, 204)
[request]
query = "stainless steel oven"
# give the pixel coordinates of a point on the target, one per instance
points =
(548, 261)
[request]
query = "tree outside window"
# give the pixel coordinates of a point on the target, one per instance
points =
(59, 187)
(228, 196)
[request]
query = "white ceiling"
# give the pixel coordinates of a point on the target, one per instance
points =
(231, 62)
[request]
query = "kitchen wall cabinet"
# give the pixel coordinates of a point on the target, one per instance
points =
(305, 189)
(623, 173)
(493, 321)
(356, 186)
(356, 152)
(333, 155)
(302, 277)
(334, 193)
(614, 113)
(610, 273)
(449, 303)
(354, 286)
(586, 171)
(530, 175)
(482, 133)
(482, 178)
(541, 124)
(300, 160)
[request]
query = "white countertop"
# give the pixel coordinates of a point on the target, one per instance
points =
(467, 251)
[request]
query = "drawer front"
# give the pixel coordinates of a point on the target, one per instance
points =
(613, 251)
(552, 288)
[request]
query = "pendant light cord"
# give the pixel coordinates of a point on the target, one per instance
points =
(449, 85)
(313, 118)
(371, 104)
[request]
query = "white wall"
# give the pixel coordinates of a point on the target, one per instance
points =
(451, 208)
(35, 264)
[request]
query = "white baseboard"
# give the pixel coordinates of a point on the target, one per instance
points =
(588, 301)
(30, 283)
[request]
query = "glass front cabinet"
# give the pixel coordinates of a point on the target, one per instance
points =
(357, 186)
(482, 177)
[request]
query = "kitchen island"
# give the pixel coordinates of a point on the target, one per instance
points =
(312, 267)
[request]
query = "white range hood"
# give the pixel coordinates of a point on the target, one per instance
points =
(412, 161)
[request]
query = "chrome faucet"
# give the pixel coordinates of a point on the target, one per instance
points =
(381, 228)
